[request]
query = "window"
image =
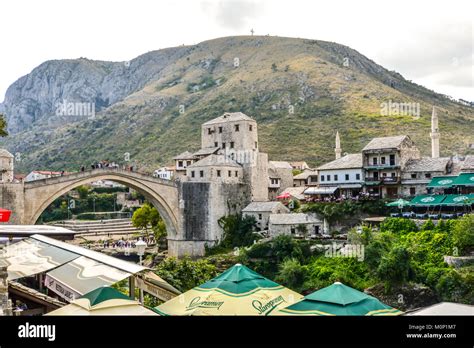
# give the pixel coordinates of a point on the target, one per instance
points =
(236, 173)
(412, 191)
(347, 177)
(255, 144)
(209, 131)
(188, 163)
(384, 175)
(201, 173)
(293, 230)
(192, 174)
(376, 175)
(358, 176)
(260, 216)
(231, 144)
(392, 160)
(230, 173)
(250, 127)
(218, 173)
(322, 177)
(180, 163)
(393, 175)
(328, 177)
(382, 160)
(216, 144)
(427, 175)
(220, 129)
(223, 145)
(413, 175)
(236, 127)
(335, 177)
(374, 161)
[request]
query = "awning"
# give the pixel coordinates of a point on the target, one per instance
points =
(459, 200)
(5, 215)
(350, 186)
(29, 257)
(81, 276)
(427, 200)
(464, 179)
(442, 182)
(320, 190)
(372, 183)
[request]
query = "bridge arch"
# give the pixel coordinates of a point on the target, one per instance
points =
(163, 194)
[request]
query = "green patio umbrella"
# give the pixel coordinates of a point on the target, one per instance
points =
(400, 203)
(103, 301)
(237, 291)
(338, 299)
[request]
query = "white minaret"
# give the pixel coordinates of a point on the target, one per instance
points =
(434, 135)
(338, 150)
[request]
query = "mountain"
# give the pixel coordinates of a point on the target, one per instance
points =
(299, 91)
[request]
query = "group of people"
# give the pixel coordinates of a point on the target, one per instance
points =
(107, 164)
(127, 244)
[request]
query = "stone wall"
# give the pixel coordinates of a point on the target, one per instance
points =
(12, 198)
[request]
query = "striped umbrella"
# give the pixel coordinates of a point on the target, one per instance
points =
(338, 299)
(237, 291)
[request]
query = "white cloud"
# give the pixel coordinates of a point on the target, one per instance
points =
(429, 42)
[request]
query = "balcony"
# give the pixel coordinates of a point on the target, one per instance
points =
(381, 166)
(390, 179)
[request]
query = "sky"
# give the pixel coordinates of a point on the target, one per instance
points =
(430, 42)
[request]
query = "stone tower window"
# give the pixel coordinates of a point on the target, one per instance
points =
(216, 144)
(236, 127)
(201, 173)
(218, 173)
(230, 173)
(250, 127)
(220, 129)
(192, 174)
(231, 144)
(223, 145)
(236, 173)
(209, 131)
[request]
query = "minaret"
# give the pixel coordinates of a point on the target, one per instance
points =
(338, 150)
(434, 135)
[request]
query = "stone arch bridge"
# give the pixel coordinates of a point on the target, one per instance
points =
(36, 196)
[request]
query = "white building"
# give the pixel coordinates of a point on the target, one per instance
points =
(418, 173)
(307, 178)
(344, 175)
(165, 173)
(183, 161)
(42, 174)
(297, 225)
(215, 168)
(261, 212)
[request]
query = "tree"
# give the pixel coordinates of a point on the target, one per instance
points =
(83, 191)
(185, 274)
(147, 216)
(238, 230)
(463, 234)
(291, 274)
(3, 126)
(395, 266)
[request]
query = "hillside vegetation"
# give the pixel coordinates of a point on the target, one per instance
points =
(299, 91)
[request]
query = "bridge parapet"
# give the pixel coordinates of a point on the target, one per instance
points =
(99, 172)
